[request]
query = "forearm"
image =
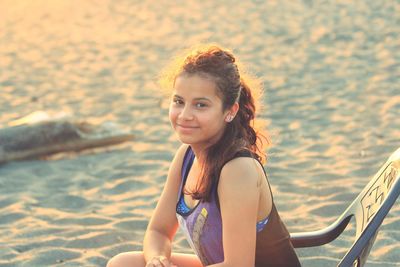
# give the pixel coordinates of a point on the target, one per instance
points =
(156, 244)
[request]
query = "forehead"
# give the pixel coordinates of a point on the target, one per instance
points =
(195, 85)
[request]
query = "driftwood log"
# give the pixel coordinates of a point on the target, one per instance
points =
(48, 137)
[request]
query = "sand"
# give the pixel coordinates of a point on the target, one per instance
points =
(331, 75)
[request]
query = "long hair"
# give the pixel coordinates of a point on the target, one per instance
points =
(241, 133)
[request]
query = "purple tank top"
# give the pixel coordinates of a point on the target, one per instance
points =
(201, 225)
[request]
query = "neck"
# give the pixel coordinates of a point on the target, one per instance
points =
(199, 152)
(200, 149)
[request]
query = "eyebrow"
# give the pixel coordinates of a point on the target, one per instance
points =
(197, 98)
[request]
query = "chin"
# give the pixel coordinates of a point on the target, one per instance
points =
(188, 140)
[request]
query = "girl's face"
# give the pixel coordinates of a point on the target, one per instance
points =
(196, 112)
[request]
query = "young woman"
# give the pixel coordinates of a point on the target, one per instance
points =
(216, 190)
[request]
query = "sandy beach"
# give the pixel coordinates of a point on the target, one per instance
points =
(331, 74)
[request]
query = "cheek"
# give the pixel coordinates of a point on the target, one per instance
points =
(214, 120)
(172, 114)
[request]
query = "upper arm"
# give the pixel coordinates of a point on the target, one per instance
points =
(239, 192)
(164, 219)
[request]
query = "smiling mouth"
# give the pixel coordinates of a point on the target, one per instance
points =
(187, 127)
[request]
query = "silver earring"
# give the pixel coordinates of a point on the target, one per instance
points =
(229, 118)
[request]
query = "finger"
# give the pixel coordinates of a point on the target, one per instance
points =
(165, 262)
(155, 262)
(159, 263)
(150, 264)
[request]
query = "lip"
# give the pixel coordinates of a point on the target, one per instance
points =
(186, 126)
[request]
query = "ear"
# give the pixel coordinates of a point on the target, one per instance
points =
(231, 112)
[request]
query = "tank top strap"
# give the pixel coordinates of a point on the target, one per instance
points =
(186, 165)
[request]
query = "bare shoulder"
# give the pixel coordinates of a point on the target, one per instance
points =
(180, 153)
(240, 173)
(176, 165)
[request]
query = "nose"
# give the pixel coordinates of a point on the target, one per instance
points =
(186, 113)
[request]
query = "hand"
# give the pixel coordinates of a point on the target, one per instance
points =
(160, 261)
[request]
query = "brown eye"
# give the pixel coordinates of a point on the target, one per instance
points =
(201, 105)
(177, 102)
